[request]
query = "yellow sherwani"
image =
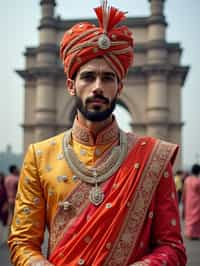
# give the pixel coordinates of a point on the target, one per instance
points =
(45, 182)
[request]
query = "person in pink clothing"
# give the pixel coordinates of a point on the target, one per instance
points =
(3, 201)
(191, 203)
(11, 182)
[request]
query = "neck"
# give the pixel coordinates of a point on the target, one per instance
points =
(94, 127)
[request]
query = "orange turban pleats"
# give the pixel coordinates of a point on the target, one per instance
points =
(85, 41)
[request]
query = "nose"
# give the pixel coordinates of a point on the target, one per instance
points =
(98, 86)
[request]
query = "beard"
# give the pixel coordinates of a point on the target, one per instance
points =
(96, 115)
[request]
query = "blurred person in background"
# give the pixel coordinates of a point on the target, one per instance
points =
(178, 178)
(11, 183)
(3, 201)
(191, 203)
(3, 209)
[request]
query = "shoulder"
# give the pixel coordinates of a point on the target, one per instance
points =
(45, 146)
(133, 138)
(41, 154)
(7, 179)
(165, 148)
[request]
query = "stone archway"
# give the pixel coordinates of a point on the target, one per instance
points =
(152, 93)
(123, 116)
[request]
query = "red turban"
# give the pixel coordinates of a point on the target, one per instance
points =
(85, 41)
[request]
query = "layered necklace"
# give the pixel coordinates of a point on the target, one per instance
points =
(95, 175)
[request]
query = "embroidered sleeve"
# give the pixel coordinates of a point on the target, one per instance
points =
(28, 224)
(167, 244)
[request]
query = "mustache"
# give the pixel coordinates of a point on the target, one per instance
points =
(97, 97)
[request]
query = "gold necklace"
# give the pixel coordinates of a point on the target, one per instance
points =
(95, 175)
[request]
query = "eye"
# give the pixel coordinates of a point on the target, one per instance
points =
(88, 77)
(108, 78)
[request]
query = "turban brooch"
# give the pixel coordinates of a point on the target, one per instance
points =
(85, 41)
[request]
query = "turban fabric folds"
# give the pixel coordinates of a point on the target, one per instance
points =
(85, 41)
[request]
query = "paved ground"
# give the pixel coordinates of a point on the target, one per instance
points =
(193, 252)
(192, 246)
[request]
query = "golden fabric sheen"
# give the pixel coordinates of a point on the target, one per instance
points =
(44, 182)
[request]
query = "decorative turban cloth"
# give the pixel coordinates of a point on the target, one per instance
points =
(85, 41)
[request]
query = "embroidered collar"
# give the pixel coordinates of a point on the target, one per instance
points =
(82, 135)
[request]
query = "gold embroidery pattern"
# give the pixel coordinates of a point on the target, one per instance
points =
(132, 140)
(83, 136)
(126, 241)
(64, 218)
(80, 134)
(110, 135)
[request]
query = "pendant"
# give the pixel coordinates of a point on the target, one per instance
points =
(96, 195)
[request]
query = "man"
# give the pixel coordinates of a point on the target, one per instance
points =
(10, 183)
(107, 197)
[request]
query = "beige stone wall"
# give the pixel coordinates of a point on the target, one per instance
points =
(139, 34)
(140, 59)
(63, 101)
(47, 36)
(46, 59)
(174, 58)
(29, 137)
(135, 92)
(174, 92)
(29, 108)
(30, 61)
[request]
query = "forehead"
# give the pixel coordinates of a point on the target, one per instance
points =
(98, 65)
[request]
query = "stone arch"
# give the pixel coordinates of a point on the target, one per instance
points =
(126, 99)
(153, 87)
(123, 116)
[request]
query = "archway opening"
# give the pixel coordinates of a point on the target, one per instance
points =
(123, 116)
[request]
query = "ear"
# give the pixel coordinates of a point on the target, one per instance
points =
(71, 87)
(120, 87)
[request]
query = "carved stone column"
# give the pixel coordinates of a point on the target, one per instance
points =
(46, 60)
(157, 98)
(157, 102)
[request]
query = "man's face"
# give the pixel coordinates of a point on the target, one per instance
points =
(96, 87)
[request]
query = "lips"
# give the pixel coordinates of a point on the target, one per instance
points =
(98, 100)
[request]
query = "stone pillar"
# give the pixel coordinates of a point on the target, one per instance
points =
(47, 27)
(29, 98)
(157, 52)
(47, 8)
(157, 104)
(157, 97)
(46, 60)
(29, 111)
(45, 108)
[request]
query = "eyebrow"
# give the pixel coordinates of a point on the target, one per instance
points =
(104, 73)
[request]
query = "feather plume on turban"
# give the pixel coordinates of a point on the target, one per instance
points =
(85, 41)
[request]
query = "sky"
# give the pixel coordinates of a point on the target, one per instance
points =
(18, 27)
